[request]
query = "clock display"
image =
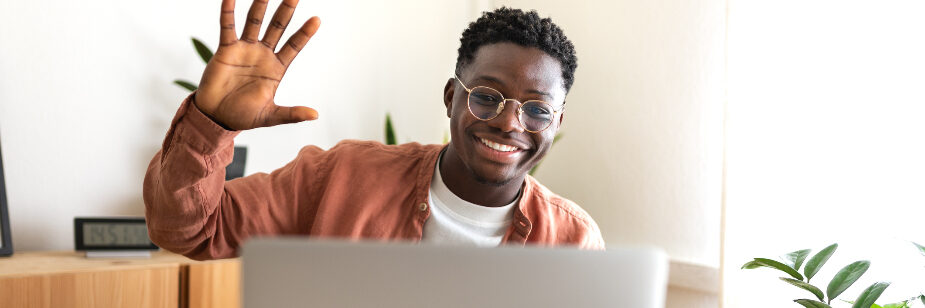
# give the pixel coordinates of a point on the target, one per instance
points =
(117, 234)
(111, 233)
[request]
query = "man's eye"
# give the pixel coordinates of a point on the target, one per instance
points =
(535, 111)
(485, 99)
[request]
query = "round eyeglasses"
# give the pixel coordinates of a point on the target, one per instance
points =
(486, 103)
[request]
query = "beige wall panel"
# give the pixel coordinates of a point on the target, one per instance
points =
(686, 298)
(642, 149)
(643, 131)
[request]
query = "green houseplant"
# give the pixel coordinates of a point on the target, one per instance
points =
(205, 54)
(847, 276)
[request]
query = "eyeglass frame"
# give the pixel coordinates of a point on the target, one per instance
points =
(501, 106)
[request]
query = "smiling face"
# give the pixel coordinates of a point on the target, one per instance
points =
(500, 150)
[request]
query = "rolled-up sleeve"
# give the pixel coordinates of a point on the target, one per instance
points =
(189, 207)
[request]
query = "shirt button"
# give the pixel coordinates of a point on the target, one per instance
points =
(422, 207)
(523, 225)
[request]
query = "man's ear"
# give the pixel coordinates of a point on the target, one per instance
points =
(448, 91)
(562, 116)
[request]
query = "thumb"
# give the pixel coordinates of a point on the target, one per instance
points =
(287, 115)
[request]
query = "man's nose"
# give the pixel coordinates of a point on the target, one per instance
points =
(508, 119)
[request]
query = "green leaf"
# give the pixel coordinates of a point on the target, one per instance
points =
(808, 303)
(845, 278)
(389, 131)
(204, 52)
(922, 297)
(556, 138)
(780, 266)
(795, 259)
(446, 137)
(920, 247)
(816, 262)
(752, 265)
(537, 166)
(186, 84)
(903, 304)
(805, 286)
(870, 295)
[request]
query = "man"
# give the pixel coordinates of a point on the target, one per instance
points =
(505, 104)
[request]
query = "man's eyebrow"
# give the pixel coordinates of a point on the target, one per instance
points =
(490, 79)
(501, 83)
(539, 92)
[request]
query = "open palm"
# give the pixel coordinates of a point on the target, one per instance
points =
(239, 84)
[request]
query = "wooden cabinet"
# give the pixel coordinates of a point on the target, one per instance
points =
(67, 279)
(214, 284)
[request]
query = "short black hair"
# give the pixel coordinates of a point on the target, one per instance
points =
(522, 28)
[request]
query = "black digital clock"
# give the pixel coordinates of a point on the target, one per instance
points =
(111, 234)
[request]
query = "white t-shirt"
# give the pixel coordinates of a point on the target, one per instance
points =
(458, 222)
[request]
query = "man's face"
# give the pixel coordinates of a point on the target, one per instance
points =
(521, 73)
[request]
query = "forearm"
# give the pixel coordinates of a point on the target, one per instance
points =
(184, 184)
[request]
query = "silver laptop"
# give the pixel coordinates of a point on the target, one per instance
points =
(299, 272)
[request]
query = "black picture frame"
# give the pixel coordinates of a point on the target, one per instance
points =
(6, 241)
(79, 244)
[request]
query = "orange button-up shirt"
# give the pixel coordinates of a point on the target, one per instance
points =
(355, 190)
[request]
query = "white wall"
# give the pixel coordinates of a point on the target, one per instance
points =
(825, 143)
(86, 94)
(85, 103)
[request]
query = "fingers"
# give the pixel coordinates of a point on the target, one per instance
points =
(298, 40)
(254, 20)
(278, 24)
(286, 115)
(226, 21)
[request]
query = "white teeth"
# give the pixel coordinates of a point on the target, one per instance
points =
(498, 146)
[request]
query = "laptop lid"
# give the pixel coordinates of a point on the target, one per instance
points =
(299, 272)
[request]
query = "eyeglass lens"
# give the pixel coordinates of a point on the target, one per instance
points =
(485, 104)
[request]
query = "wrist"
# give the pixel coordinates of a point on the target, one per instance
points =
(217, 122)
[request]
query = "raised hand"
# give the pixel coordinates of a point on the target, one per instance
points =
(239, 83)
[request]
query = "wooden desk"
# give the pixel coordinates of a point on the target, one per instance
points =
(67, 279)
